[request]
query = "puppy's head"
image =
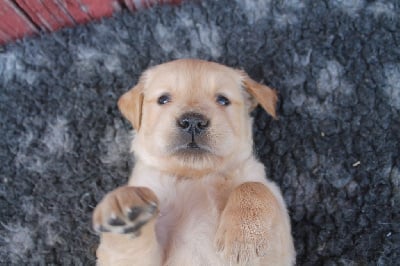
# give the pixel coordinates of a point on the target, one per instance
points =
(191, 117)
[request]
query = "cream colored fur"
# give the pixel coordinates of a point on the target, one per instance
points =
(215, 208)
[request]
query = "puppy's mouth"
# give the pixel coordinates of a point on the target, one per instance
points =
(192, 145)
(192, 136)
(192, 148)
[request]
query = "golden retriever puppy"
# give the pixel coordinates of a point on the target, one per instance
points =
(197, 195)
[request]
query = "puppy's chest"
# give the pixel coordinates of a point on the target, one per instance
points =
(190, 210)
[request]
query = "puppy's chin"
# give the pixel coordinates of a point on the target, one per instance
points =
(191, 160)
(185, 159)
(193, 150)
(183, 162)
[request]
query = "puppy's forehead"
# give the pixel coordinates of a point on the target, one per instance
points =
(193, 76)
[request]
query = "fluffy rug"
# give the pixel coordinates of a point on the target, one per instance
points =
(334, 150)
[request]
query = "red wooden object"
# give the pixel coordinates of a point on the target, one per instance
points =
(13, 23)
(98, 9)
(25, 17)
(46, 14)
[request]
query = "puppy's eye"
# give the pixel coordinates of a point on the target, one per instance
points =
(222, 100)
(163, 99)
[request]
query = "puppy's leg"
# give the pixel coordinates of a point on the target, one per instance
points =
(254, 228)
(125, 218)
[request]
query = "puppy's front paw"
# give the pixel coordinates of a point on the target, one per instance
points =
(245, 231)
(240, 241)
(125, 210)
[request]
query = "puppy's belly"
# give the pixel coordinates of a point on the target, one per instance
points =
(187, 225)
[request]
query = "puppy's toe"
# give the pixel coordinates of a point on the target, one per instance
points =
(125, 210)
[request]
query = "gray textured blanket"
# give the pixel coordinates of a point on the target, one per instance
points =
(334, 150)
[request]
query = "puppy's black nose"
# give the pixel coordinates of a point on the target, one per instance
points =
(193, 123)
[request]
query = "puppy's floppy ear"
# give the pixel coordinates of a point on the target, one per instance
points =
(130, 104)
(263, 95)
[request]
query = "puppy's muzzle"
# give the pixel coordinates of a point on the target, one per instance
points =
(192, 138)
(193, 124)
